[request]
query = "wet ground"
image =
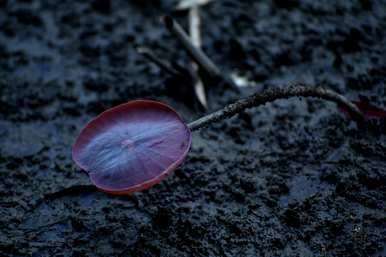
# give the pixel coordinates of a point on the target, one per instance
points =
(293, 178)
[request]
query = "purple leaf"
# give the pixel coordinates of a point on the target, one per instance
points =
(369, 111)
(132, 146)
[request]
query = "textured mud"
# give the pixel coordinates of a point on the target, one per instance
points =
(293, 178)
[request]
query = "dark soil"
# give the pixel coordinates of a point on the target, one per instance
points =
(293, 178)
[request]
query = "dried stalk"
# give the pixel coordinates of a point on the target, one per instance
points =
(187, 4)
(197, 54)
(195, 35)
(194, 26)
(271, 95)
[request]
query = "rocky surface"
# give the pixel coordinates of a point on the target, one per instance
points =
(293, 178)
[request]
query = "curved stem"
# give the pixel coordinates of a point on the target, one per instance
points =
(271, 95)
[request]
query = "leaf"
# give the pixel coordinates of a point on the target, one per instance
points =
(132, 146)
(369, 111)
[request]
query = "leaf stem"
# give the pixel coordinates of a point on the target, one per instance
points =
(271, 95)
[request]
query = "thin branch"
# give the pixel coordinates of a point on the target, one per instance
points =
(271, 95)
(197, 54)
(163, 65)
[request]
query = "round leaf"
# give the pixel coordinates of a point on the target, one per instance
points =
(132, 146)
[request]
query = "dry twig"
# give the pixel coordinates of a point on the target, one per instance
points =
(197, 54)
